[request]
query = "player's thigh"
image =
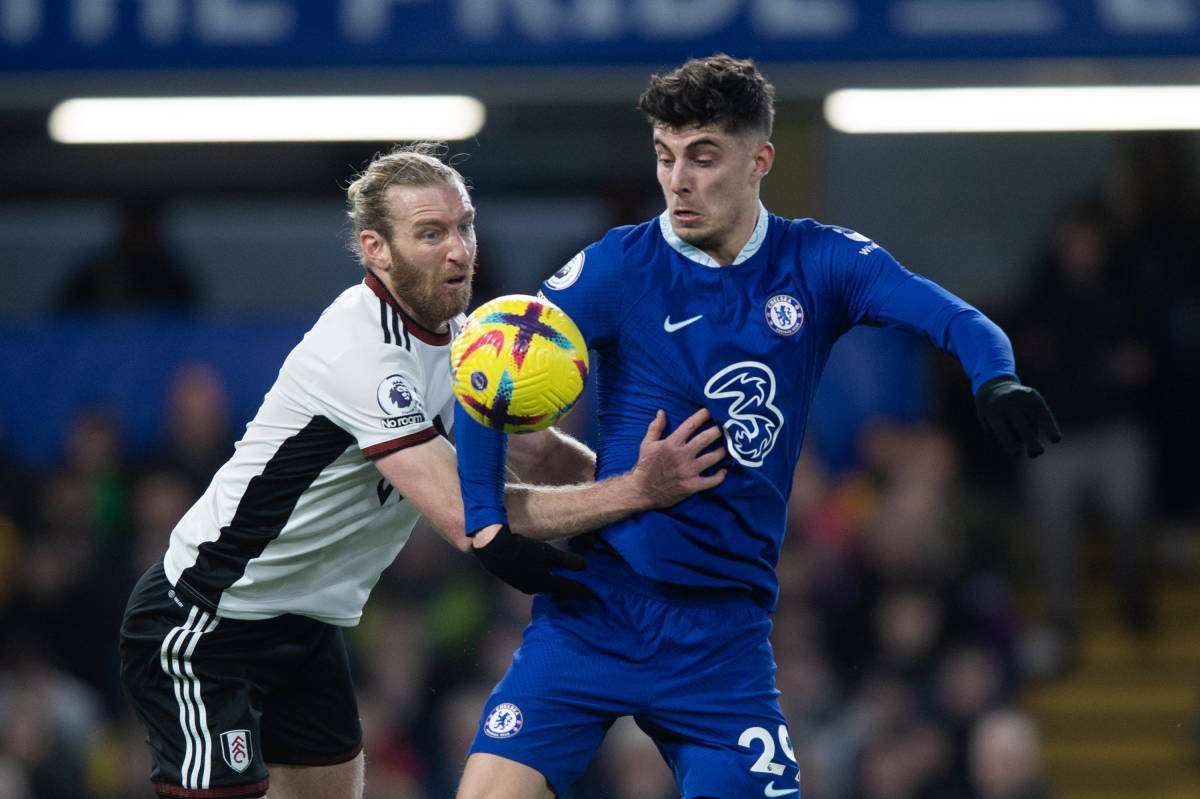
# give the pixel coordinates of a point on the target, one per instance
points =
(731, 755)
(564, 689)
(717, 718)
(339, 781)
(309, 713)
(497, 777)
(200, 711)
(221, 697)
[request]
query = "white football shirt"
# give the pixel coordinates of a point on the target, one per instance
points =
(299, 520)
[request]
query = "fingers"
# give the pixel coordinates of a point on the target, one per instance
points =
(1026, 433)
(690, 425)
(705, 482)
(710, 459)
(1036, 424)
(1008, 439)
(657, 425)
(705, 438)
(1048, 425)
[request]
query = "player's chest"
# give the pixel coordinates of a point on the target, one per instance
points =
(703, 319)
(428, 366)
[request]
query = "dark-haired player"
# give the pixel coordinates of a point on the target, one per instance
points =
(719, 303)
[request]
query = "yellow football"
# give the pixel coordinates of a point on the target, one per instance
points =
(519, 364)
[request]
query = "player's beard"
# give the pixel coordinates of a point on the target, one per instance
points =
(425, 293)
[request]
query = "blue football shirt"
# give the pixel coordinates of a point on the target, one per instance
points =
(672, 329)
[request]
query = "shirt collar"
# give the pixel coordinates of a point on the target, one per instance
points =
(412, 325)
(704, 259)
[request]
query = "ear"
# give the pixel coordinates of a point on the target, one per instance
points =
(375, 249)
(764, 156)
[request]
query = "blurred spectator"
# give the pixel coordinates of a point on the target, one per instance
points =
(198, 438)
(1006, 758)
(117, 760)
(970, 682)
(394, 660)
(16, 479)
(1083, 334)
(74, 558)
(160, 497)
(46, 718)
(910, 582)
(138, 271)
(63, 598)
(1154, 191)
(906, 763)
(95, 454)
(457, 720)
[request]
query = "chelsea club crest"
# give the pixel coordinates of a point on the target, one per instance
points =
(504, 721)
(784, 314)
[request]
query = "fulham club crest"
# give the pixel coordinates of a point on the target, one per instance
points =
(235, 748)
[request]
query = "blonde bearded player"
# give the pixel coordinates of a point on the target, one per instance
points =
(231, 647)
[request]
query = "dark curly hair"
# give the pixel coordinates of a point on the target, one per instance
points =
(719, 90)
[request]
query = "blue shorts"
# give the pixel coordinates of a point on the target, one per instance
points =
(696, 673)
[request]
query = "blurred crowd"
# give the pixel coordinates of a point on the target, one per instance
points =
(902, 641)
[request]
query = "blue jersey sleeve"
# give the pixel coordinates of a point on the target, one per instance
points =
(481, 454)
(877, 290)
(588, 289)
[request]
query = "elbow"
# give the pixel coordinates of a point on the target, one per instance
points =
(455, 532)
(461, 542)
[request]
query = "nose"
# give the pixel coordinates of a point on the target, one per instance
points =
(679, 179)
(462, 246)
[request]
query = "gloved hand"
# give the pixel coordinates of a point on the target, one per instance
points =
(1016, 415)
(525, 564)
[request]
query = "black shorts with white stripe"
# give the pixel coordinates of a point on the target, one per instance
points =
(222, 698)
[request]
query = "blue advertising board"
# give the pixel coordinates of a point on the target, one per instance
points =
(57, 35)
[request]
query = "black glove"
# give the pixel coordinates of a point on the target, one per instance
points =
(525, 564)
(1016, 415)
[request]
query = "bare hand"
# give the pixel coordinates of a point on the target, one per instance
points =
(669, 470)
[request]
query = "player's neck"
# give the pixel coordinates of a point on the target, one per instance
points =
(726, 251)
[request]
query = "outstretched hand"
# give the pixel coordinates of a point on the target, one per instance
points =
(671, 469)
(1016, 415)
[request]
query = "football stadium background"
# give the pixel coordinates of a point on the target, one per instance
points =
(148, 293)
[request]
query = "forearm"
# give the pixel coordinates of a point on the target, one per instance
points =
(553, 512)
(551, 457)
(952, 325)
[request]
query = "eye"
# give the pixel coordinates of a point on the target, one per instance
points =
(466, 228)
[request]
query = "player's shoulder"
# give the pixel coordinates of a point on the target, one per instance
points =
(345, 319)
(812, 238)
(355, 330)
(607, 258)
(629, 242)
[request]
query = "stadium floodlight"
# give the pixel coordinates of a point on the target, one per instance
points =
(137, 120)
(1013, 109)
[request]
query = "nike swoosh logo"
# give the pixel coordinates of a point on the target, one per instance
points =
(671, 327)
(771, 790)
